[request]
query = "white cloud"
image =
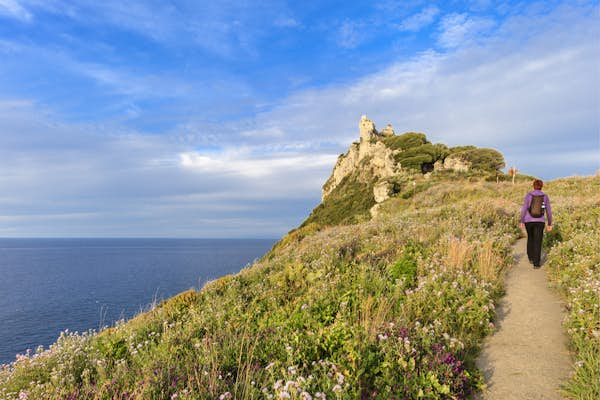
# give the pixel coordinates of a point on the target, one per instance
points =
(243, 163)
(458, 29)
(60, 179)
(420, 20)
(14, 9)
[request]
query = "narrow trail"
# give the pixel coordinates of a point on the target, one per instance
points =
(527, 357)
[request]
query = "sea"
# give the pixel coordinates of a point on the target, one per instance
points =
(50, 285)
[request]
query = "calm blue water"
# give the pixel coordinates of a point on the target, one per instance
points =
(49, 285)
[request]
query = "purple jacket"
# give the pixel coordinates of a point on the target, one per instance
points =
(526, 217)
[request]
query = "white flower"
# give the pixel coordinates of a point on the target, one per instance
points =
(305, 396)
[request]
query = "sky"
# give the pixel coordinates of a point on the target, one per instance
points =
(217, 119)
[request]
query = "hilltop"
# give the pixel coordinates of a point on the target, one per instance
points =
(387, 290)
(383, 164)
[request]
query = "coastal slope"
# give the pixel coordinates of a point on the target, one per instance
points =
(387, 290)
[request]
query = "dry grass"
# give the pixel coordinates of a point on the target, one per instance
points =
(486, 261)
(458, 253)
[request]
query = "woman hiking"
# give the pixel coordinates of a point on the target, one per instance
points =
(536, 208)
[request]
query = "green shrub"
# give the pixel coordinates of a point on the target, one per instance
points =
(482, 159)
(405, 141)
(405, 268)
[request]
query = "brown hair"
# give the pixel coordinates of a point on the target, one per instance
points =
(538, 184)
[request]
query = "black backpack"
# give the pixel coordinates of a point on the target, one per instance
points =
(536, 208)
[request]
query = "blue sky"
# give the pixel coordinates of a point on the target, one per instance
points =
(223, 119)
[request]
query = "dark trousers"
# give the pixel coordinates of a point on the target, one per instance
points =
(535, 234)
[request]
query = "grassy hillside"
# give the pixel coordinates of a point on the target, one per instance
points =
(574, 267)
(389, 308)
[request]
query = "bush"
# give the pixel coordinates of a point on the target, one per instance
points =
(405, 141)
(404, 269)
(482, 159)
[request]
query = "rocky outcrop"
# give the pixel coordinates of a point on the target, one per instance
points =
(367, 129)
(345, 165)
(387, 131)
(381, 191)
(370, 154)
(456, 163)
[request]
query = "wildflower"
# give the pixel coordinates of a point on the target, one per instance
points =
(305, 396)
(226, 395)
(23, 395)
(197, 345)
(284, 395)
(174, 396)
(337, 388)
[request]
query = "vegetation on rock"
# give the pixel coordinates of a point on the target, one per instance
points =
(488, 160)
(414, 151)
(348, 203)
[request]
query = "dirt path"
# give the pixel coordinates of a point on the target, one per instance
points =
(527, 357)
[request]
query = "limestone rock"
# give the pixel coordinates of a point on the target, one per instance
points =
(456, 163)
(371, 155)
(387, 131)
(381, 191)
(381, 160)
(367, 129)
(346, 163)
(438, 165)
(374, 211)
